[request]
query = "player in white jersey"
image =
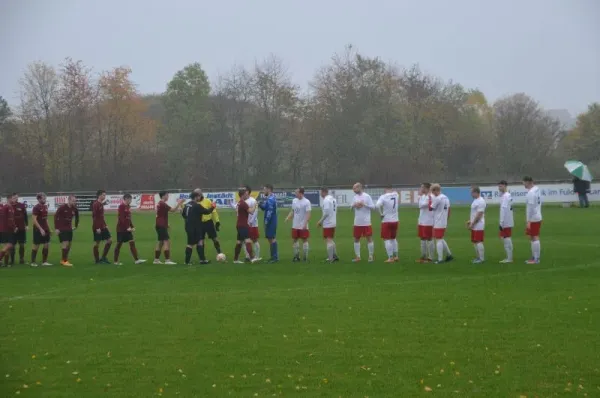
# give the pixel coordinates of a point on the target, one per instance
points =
(388, 208)
(253, 232)
(441, 211)
(534, 218)
(425, 226)
(362, 205)
(507, 221)
(476, 224)
(329, 221)
(300, 210)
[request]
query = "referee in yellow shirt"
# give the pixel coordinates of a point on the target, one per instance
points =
(210, 223)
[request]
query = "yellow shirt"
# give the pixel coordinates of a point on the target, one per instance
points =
(214, 216)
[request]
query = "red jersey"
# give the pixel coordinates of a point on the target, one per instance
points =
(63, 218)
(162, 214)
(98, 221)
(242, 214)
(20, 216)
(124, 218)
(7, 218)
(41, 212)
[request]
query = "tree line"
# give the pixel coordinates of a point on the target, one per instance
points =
(360, 119)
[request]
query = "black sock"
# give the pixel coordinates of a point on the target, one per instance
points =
(188, 255)
(217, 246)
(200, 251)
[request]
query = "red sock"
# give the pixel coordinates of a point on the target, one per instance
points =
(238, 249)
(33, 255)
(96, 254)
(22, 253)
(167, 255)
(65, 254)
(117, 251)
(106, 250)
(45, 254)
(134, 252)
(157, 254)
(249, 249)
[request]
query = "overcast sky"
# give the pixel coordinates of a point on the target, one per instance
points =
(549, 49)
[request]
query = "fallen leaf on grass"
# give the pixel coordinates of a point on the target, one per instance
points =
(75, 373)
(78, 380)
(428, 389)
(33, 356)
(268, 381)
(38, 383)
(25, 386)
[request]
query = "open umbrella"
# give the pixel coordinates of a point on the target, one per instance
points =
(578, 169)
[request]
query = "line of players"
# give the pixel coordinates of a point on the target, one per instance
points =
(201, 220)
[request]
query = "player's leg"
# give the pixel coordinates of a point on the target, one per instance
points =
(96, 247)
(120, 240)
(134, 251)
(250, 249)
(506, 236)
(370, 247)
(107, 238)
(270, 234)
(305, 245)
(158, 248)
(45, 250)
(13, 250)
(65, 239)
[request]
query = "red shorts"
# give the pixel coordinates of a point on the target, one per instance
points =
(506, 233)
(477, 236)
(438, 233)
(300, 234)
(329, 233)
(535, 229)
(362, 232)
(253, 233)
(425, 232)
(389, 230)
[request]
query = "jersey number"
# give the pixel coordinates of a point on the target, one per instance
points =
(394, 200)
(334, 206)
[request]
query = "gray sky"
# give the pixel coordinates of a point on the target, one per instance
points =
(548, 49)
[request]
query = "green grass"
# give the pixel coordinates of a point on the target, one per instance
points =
(349, 330)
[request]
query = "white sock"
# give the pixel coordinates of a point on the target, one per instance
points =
(330, 250)
(480, 251)
(389, 248)
(371, 247)
(246, 251)
(536, 249)
(334, 249)
(296, 249)
(423, 249)
(431, 251)
(256, 249)
(446, 248)
(357, 249)
(440, 250)
(508, 248)
(305, 247)
(395, 247)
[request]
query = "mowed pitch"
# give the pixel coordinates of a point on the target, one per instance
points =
(349, 330)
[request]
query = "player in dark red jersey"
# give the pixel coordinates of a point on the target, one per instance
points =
(20, 236)
(101, 233)
(243, 229)
(125, 230)
(41, 230)
(63, 224)
(162, 227)
(7, 227)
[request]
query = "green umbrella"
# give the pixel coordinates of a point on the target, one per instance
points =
(579, 170)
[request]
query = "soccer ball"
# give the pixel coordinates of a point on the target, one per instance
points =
(221, 258)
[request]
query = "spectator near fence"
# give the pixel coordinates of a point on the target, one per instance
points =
(582, 188)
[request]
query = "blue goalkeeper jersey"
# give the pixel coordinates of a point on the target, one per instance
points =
(269, 206)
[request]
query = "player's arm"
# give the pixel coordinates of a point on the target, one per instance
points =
(253, 209)
(308, 213)
(369, 203)
(97, 225)
(203, 210)
(478, 216)
(76, 218)
(503, 210)
(56, 219)
(326, 210)
(269, 209)
(379, 206)
(290, 214)
(25, 218)
(36, 224)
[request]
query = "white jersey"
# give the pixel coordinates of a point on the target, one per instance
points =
(425, 212)
(478, 206)
(362, 216)
(301, 209)
(441, 208)
(329, 212)
(506, 211)
(252, 217)
(534, 205)
(388, 202)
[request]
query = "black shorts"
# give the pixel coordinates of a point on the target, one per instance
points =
(103, 235)
(208, 229)
(194, 235)
(65, 236)
(162, 233)
(38, 239)
(243, 233)
(20, 237)
(6, 237)
(124, 237)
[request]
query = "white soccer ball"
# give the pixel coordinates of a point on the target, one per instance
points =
(221, 258)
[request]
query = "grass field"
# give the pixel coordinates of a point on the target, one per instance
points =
(314, 330)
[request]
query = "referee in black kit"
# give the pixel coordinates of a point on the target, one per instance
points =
(192, 213)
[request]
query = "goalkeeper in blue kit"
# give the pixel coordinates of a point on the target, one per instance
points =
(269, 206)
